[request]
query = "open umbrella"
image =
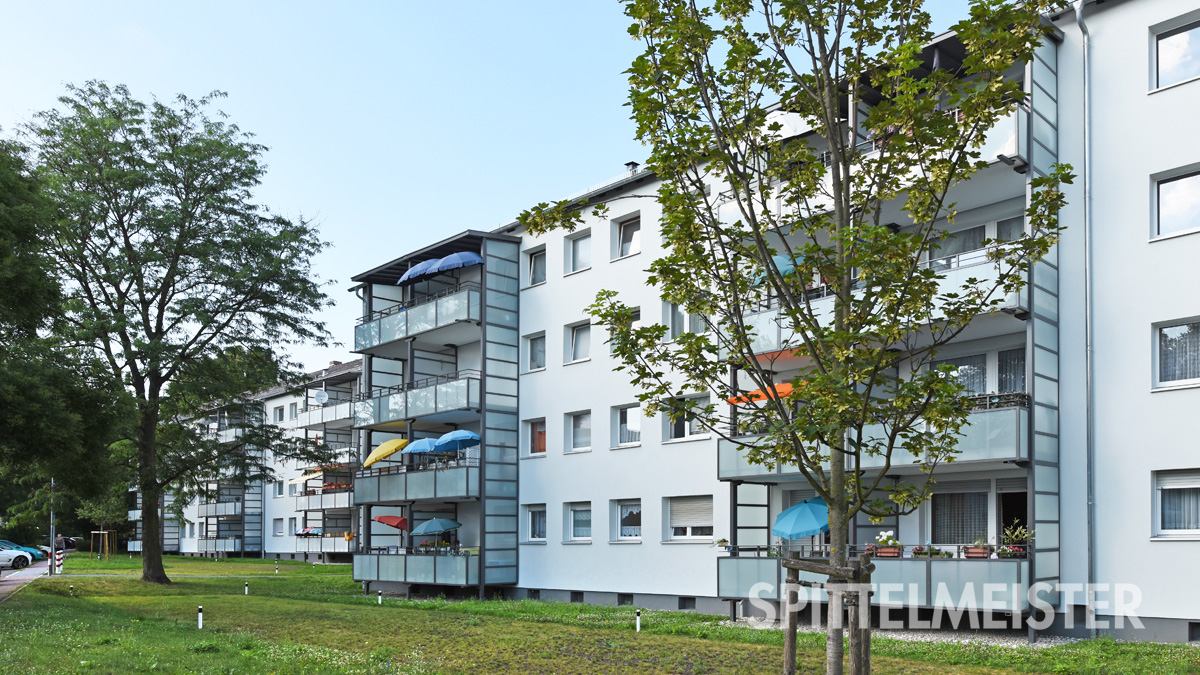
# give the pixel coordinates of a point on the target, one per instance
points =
(419, 270)
(421, 445)
(456, 260)
(436, 526)
(392, 521)
(456, 440)
(806, 519)
(385, 450)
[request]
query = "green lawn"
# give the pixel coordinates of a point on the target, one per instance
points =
(83, 563)
(321, 623)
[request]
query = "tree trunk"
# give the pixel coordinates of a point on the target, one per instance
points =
(789, 618)
(834, 648)
(152, 545)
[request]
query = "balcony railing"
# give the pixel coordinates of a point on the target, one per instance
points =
(332, 412)
(334, 542)
(989, 584)
(135, 545)
(997, 429)
(398, 483)
(460, 303)
(224, 507)
(215, 544)
(429, 396)
(325, 500)
(450, 570)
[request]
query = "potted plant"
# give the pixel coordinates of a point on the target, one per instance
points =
(978, 549)
(723, 543)
(887, 545)
(1011, 551)
(1016, 541)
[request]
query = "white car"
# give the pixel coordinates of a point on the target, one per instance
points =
(14, 559)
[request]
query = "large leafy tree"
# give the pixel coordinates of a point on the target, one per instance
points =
(166, 260)
(808, 151)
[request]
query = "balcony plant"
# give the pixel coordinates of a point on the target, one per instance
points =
(1016, 541)
(886, 545)
(930, 551)
(980, 549)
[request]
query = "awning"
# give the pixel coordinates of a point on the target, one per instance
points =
(782, 390)
(385, 450)
(306, 477)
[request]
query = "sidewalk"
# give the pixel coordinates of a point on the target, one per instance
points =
(11, 582)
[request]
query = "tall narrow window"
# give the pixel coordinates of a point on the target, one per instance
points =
(1178, 208)
(537, 352)
(971, 372)
(1178, 55)
(630, 519)
(537, 267)
(1179, 353)
(581, 341)
(630, 237)
(629, 425)
(580, 253)
(581, 521)
(292, 525)
(680, 322)
(293, 410)
(279, 413)
(1011, 371)
(581, 431)
(537, 437)
(687, 424)
(537, 523)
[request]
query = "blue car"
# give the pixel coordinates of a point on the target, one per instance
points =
(37, 554)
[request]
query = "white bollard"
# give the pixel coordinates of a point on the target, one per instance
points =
(200, 617)
(276, 567)
(380, 597)
(72, 591)
(639, 621)
(247, 588)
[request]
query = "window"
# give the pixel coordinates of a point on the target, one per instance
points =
(1178, 206)
(293, 410)
(579, 253)
(1178, 55)
(1011, 229)
(971, 371)
(277, 527)
(291, 526)
(1011, 371)
(959, 517)
(580, 430)
(278, 488)
(202, 528)
(1179, 353)
(947, 252)
(537, 437)
(1177, 503)
(691, 517)
(629, 519)
(537, 352)
(279, 413)
(537, 267)
(629, 237)
(629, 425)
(579, 521)
(192, 530)
(579, 343)
(686, 425)
(537, 522)
(292, 489)
(679, 322)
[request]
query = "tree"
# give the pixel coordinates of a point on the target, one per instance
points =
(166, 261)
(833, 229)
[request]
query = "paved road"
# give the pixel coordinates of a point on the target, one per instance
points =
(11, 582)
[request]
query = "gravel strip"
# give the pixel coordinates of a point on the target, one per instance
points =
(993, 638)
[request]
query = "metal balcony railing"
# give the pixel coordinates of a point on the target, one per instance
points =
(423, 300)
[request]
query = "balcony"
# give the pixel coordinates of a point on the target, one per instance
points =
(223, 508)
(325, 500)
(333, 543)
(996, 431)
(334, 414)
(449, 570)
(219, 544)
(425, 314)
(134, 514)
(446, 396)
(992, 584)
(135, 546)
(457, 480)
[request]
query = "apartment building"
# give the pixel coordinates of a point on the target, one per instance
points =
(1081, 384)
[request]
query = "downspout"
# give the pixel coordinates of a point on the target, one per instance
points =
(1090, 432)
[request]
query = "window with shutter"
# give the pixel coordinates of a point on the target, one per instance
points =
(1177, 503)
(691, 517)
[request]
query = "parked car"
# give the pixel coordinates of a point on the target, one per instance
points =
(11, 557)
(33, 552)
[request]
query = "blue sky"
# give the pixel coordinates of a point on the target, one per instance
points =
(391, 124)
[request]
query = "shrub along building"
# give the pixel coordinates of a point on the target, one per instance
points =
(576, 495)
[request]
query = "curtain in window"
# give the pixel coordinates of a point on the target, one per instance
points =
(972, 372)
(1179, 352)
(631, 520)
(537, 438)
(581, 431)
(1011, 229)
(1181, 508)
(630, 426)
(960, 517)
(1011, 371)
(537, 353)
(537, 524)
(678, 327)
(581, 523)
(945, 251)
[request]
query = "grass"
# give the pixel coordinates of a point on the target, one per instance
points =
(83, 563)
(322, 623)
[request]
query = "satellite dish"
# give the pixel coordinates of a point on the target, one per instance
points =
(321, 397)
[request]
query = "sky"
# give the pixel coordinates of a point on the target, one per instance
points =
(391, 124)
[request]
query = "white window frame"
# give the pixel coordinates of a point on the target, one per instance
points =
(530, 427)
(278, 413)
(1157, 383)
(277, 527)
(623, 410)
(530, 510)
(582, 238)
(291, 530)
(293, 410)
(530, 340)
(618, 504)
(572, 509)
(570, 447)
(689, 535)
(1175, 479)
(293, 489)
(1156, 182)
(278, 490)
(533, 256)
(692, 323)
(690, 434)
(569, 346)
(635, 245)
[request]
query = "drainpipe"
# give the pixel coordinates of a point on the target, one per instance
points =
(1087, 309)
